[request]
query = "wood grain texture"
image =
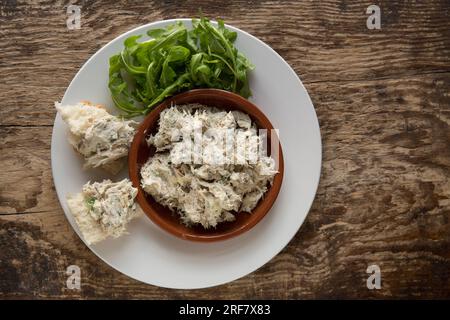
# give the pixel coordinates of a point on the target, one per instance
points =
(322, 40)
(383, 102)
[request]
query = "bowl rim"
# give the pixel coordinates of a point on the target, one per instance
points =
(134, 170)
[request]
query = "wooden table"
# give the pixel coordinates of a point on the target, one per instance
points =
(383, 102)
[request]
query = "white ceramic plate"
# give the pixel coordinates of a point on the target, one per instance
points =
(153, 256)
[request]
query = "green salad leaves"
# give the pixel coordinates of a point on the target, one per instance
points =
(173, 60)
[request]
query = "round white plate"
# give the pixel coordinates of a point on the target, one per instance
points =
(153, 256)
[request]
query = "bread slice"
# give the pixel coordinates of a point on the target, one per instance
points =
(104, 209)
(91, 230)
(90, 130)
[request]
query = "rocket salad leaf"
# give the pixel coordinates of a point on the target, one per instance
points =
(144, 73)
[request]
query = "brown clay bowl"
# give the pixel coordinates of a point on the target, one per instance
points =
(162, 216)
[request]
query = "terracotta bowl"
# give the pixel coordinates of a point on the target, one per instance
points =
(162, 216)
